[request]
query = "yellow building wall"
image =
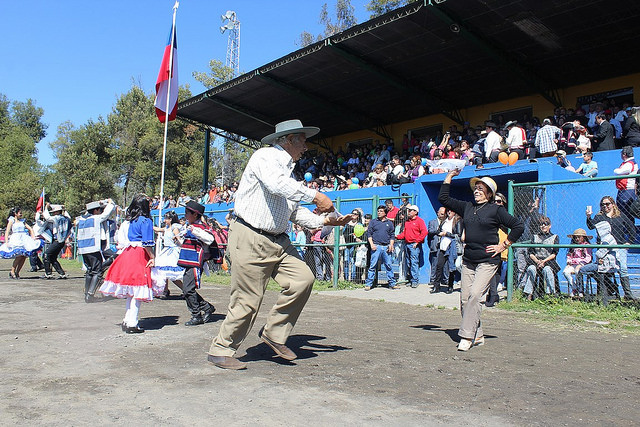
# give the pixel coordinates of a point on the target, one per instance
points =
(479, 114)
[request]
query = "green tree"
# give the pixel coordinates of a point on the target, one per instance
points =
(380, 7)
(20, 130)
(227, 162)
(83, 171)
(29, 117)
(218, 73)
(344, 18)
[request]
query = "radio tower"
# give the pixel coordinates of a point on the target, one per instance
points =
(230, 22)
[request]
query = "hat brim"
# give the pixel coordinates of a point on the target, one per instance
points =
(308, 131)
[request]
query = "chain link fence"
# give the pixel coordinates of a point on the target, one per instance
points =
(580, 239)
(344, 254)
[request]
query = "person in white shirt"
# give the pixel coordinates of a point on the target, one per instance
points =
(260, 249)
(516, 138)
(492, 143)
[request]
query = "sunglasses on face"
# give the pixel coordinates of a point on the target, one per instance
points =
(498, 201)
(606, 204)
(545, 224)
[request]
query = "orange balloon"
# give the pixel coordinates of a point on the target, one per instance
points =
(224, 265)
(503, 158)
(513, 158)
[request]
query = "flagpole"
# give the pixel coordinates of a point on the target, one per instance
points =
(167, 112)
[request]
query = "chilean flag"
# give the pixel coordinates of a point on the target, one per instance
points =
(168, 70)
(40, 204)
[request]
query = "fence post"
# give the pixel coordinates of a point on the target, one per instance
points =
(510, 207)
(336, 249)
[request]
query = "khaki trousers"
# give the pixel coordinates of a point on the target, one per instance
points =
(256, 258)
(474, 284)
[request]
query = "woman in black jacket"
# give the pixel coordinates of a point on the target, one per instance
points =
(631, 128)
(481, 220)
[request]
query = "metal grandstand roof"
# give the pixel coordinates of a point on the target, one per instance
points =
(424, 59)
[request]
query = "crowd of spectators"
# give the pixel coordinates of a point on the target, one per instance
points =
(215, 194)
(603, 126)
(600, 126)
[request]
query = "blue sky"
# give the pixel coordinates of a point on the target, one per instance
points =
(74, 58)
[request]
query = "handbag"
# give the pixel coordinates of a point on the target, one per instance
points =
(361, 257)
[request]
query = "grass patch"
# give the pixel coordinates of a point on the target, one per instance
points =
(617, 315)
(224, 279)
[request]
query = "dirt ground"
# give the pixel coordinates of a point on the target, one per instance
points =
(361, 362)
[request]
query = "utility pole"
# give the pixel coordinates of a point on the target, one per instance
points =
(231, 24)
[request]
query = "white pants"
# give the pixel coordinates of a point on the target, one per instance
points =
(131, 315)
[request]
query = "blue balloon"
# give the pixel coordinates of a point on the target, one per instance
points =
(355, 180)
(308, 177)
(424, 162)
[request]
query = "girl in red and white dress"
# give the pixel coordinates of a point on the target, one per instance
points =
(130, 274)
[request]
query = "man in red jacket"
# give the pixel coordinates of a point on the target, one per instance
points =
(414, 233)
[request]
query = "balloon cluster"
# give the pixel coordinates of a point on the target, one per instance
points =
(508, 159)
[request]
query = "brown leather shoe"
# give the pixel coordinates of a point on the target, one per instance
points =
(227, 362)
(280, 349)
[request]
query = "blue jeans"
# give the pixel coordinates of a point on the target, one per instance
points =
(624, 200)
(399, 253)
(621, 257)
(547, 274)
(380, 253)
(348, 264)
(413, 263)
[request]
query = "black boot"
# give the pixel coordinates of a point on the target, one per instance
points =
(93, 286)
(626, 287)
(450, 283)
(87, 285)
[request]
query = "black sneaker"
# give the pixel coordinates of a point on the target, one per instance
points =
(208, 314)
(196, 320)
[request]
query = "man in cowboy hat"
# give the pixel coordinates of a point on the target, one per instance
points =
(93, 240)
(60, 227)
(259, 248)
(516, 138)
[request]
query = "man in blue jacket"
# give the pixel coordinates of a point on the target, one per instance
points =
(381, 238)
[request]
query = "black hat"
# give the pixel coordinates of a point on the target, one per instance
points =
(195, 207)
(490, 125)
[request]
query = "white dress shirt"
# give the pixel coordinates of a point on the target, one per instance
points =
(268, 197)
(491, 143)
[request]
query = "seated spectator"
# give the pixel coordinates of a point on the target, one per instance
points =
(542, 260)
(604, 262)
(416, 169)
(377, 174)
(492, 143)
(583, 144)
(465, 152)
(561, 157)
(576, 259)
(183, 199)
(623, 232)
(588, 167)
